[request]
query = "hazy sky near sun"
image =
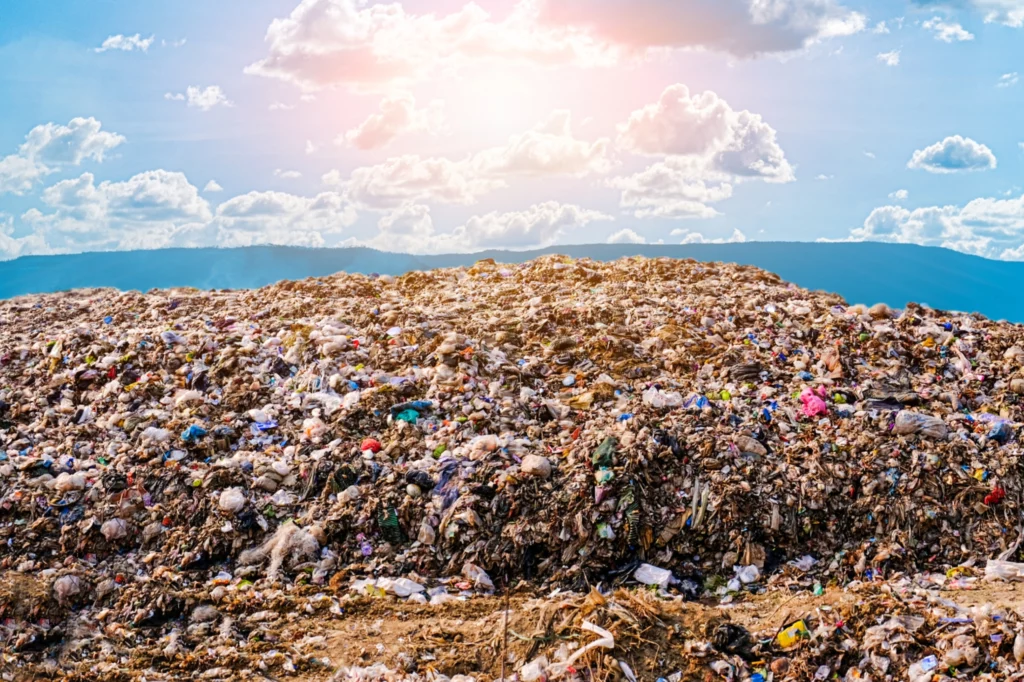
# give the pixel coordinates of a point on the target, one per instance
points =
(452, 126)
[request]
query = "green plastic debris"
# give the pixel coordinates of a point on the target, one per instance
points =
(605, 452)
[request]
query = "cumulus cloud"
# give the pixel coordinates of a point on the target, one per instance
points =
(547, 149)
(331, 42)
(281, 218)
(697, 238)
(213, 186)
(889, 58)
(408, 228)
(881, 28)
(203, 99)
(899, 195)
(626, 236)
(538, 226)
(398, 115)
(740, 143)
(947, 32)
(413, 179)
(161, 209)
(52, 146)
(709, 148)
(678, 187)
(287, 174)
(145, 211)
(126, 43)
(993, 228)
(738, 27)
(953, 154)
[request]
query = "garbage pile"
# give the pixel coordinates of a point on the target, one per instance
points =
(562, 422)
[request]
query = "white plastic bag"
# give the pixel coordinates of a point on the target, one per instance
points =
(652, 575)
(908, 423)
(1003, 570)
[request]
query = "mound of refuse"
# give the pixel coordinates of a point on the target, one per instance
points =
(560, 422)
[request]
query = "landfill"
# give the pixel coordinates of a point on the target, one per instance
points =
(621, 457)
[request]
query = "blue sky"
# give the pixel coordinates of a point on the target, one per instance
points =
(448, 126)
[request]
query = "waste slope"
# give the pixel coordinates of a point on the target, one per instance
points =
(559, 422)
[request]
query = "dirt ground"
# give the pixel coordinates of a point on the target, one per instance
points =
(652, 635)
(469, 638)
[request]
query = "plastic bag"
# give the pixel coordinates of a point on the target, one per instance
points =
(909, 423)
(231, 500)
(1004, 570)
(477, 575)
(652, 575)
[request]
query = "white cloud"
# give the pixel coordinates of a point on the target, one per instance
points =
(1007, 80)
(1007, 12)
(947, 32)
(203, 99)
(626, 236)
(145, 211)
(409, 228)
(126, 43)
(330, 42)
(280, 106)
(52, 146)
(870, 155)
(953, 154)
(173, 43)
(287, 174)
(281, 218)
(310, 147)
(881, 28)
(538, 226)
(709, 148)
(739, 27)
(160, 209)
(413, 179)
(735, 142)
(678, 187)
(822, 177)
(993, 228)
(899, 195)
(547, 149)
(213, 186)
(398, 115)
(689, 237)
(889, 58)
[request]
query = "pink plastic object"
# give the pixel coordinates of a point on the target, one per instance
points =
(813, 404)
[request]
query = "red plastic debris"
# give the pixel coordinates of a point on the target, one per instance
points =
(996, 496)
(371, 444)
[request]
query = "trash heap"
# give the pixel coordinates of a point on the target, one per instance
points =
(560, 422)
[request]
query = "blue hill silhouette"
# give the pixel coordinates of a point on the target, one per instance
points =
(861, 272)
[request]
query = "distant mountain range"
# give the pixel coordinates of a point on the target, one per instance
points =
(861, 272)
